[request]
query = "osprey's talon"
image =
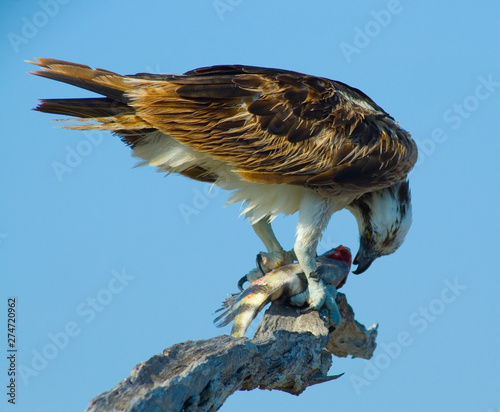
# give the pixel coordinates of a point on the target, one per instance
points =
(241, 282)
(307, 310)
(266, 262)
(250, 277)
(317, 295)
(269, 261)
(260, 264)
(314, 295)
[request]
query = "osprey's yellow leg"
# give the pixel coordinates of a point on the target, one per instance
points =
(275, 256)
(265, 233)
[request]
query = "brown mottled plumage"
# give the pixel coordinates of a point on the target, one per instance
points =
(271, 126)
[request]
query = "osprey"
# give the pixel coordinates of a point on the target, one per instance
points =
(281, 141)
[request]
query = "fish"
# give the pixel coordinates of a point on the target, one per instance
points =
(286, 284)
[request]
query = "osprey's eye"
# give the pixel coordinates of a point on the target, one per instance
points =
(368, 234)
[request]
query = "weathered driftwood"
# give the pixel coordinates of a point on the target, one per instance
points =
(349, 338)
(287, 353)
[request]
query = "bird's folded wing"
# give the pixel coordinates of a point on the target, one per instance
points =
(271, 126)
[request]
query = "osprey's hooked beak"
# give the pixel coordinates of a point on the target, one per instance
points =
(363, 263)
(364, 258)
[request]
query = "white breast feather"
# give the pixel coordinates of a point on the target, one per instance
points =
(259, 200)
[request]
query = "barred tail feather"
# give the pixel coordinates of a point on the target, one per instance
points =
(84, 108)
(104, 82)
(112, 112)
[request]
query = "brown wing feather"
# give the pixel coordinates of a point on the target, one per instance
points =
(281, 127)
(272, 126)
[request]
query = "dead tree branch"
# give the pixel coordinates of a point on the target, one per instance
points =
(287, 353)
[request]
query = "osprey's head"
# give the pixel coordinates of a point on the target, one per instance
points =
(384, 218)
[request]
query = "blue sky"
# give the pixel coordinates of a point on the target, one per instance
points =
(103, 261)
